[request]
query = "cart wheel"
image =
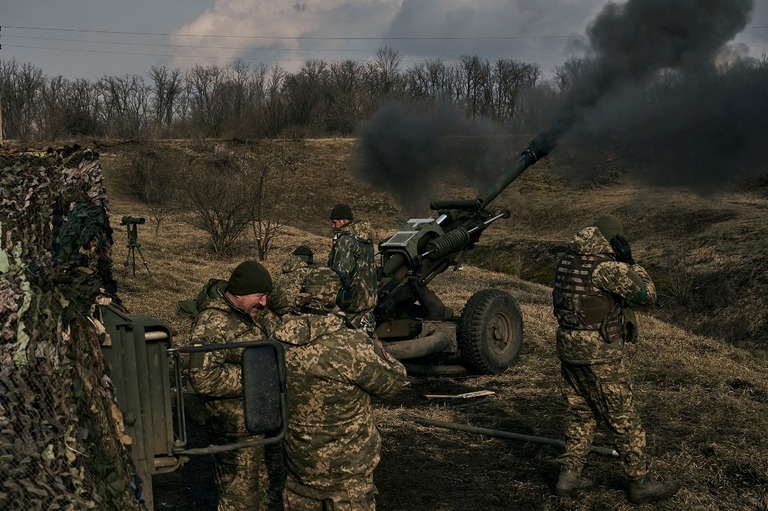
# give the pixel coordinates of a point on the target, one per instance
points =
(491, 332)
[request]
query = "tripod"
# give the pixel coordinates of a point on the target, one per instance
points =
(133, 247)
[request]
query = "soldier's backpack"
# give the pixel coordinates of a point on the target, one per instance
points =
(210, 290)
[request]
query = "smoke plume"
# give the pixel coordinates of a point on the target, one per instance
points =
(410, 153)
(664, 90)
(660, 88)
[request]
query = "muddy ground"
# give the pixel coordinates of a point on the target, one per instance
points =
(429, 468)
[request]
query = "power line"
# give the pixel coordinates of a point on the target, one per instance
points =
(312, 38)
(207, 47)
(195, 46)
(318, 38)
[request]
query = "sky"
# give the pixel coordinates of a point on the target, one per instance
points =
(94, 38)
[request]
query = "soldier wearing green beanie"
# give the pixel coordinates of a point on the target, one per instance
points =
(248, 278)
(236, 312)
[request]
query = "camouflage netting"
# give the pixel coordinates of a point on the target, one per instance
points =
(60, 429)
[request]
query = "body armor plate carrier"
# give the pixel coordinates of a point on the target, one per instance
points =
(579, 304)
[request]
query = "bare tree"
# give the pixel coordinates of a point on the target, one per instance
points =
(150, 177)
(511, 78)
(274, 109)
(382, 78)
(237, 93)
(429, 81)
(52, 109)
(20, 89)
(277, 202)
(255, 99)
(303, 92)
(474, 79)
(82, 103)
(125, 104)
(208, 97)
(222, 198)
(568, 73)
(344, 96)
(167, 87)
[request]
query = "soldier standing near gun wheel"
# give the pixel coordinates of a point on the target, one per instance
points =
(237, 312)
(352, 255)
(596, 282)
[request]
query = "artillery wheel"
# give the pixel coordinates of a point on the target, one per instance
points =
(490, 334)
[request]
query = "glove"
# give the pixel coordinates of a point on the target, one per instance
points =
(629, 325)
(622, 249)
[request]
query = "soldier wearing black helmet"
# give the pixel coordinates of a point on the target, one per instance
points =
(352, 254)
(596, 283)
(288, 284)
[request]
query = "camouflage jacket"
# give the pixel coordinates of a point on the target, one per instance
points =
(217, 374)
(352, 253)
(628, 284)
(288, 284)
(332, 442)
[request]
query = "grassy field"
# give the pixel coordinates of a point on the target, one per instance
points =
(699, 369)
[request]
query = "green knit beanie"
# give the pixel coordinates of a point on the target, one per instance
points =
(248, 278)
(609, 226)
(341, 212)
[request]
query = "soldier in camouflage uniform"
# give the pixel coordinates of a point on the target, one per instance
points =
(288, 284)
(596, 282)
(332, 445)
(351, 254)
(236, 313)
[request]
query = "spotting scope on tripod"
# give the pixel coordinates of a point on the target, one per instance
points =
(131, 223)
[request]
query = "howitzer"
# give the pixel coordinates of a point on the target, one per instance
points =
(488, 336)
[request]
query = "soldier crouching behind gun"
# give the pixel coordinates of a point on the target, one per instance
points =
(596, 282)
(237, 312)
(332, 445)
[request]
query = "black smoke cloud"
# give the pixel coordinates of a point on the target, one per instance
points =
(656, 92)
(661, 88)
(410, 153)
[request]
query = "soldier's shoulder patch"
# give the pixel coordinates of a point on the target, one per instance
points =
(378, 347)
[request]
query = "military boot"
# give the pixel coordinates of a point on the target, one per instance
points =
(642, 491)
(570, 483)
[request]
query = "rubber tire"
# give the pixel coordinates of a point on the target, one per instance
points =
(490, 334)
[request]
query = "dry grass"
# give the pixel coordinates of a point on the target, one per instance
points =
(704, 402)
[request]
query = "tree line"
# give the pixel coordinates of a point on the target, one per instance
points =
(239, 100)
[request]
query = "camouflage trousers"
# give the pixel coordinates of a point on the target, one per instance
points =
(239, 480)
(298, 497)
(602, 393)
(244, 484)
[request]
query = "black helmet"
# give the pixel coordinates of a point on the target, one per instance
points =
(341, 212)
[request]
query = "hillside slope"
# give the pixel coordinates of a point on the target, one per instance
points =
(705, 252)
(703, 401)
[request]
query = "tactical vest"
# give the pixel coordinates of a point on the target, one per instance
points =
(579, 304)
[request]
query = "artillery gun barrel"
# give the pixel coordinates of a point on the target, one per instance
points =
(538, 148)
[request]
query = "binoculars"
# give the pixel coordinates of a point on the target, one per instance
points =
(132, 220)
